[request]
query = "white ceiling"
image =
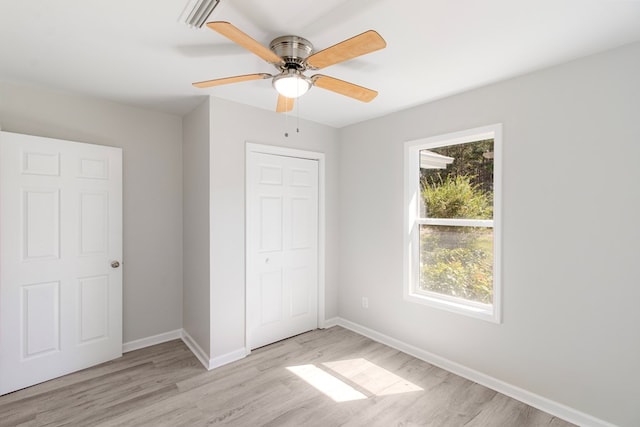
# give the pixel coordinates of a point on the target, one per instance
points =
(136, 52)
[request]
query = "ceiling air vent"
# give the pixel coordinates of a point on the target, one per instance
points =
(196, 12)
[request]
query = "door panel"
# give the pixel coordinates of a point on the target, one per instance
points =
(301, 228)
(270, 297)
(282, 247)
(39, 163)
(93, 224)
(300, 286)
(41, 314)
(41, 223)
(270, 223)
(94, 168)
(60, 228)
(94, 308)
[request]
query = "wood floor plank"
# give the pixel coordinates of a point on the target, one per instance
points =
(165, 385)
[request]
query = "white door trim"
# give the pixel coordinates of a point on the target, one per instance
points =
(301, 154)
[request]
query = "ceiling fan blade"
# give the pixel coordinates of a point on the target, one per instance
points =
(237, 36)
(364, 43)
(234, 79)
(284, 104)
(344, 88)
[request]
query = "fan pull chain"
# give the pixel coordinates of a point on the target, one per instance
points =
(286, 124)
(286, 120)
(298, 116)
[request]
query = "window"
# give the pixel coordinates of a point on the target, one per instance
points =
(452, 222)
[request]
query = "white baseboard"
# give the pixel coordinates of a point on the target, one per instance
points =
(218, 361)
(197, 351)
(153, 340)
(203, 357)
(554, 408)
(329, 323)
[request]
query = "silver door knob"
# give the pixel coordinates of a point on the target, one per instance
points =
(115, 264)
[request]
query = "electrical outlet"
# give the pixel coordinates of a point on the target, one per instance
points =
(365, 302)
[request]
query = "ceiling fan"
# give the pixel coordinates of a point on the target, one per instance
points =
(292, 56)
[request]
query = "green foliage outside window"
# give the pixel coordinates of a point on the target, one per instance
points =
(456, 197)
(457, 260)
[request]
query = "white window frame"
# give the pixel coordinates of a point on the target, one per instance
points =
(412, 221)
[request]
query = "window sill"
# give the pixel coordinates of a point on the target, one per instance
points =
(479, 311)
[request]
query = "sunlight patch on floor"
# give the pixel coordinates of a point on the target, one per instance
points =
(371, 377)
(327, 383)
(332, 378)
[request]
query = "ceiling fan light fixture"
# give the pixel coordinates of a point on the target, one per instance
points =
(291, 83)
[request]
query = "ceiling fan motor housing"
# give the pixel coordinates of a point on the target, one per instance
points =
(293, 50)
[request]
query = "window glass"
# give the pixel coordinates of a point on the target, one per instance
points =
(459, 182)
(457, 261)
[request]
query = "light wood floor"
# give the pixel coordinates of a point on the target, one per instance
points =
(165, 385)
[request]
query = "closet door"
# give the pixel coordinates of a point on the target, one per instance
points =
(282, 247)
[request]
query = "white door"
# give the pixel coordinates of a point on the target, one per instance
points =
(282, 247)
(60, 232)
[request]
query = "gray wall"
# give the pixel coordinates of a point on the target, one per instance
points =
(571, 329)
(232, 125)
(152, 197)
(196, 256)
